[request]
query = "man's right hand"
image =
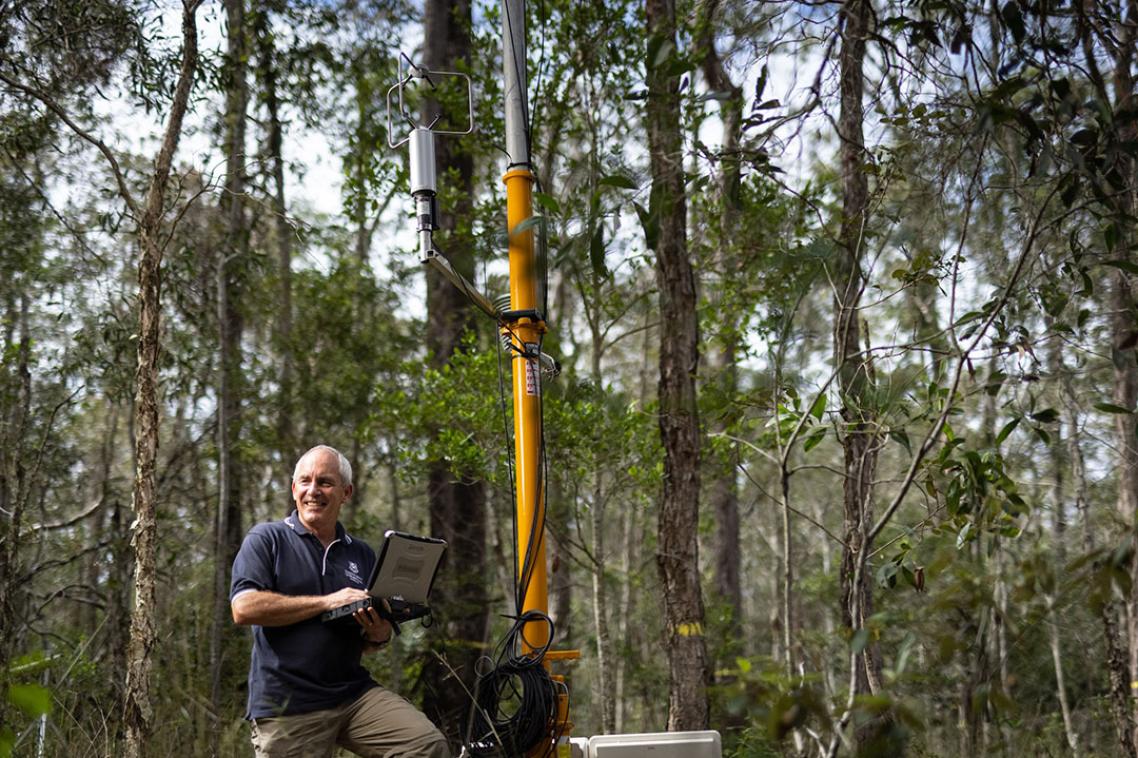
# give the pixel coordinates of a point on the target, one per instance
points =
(345, 596)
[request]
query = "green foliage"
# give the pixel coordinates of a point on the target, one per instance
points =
(454, 414)
(977, 485)
(31, 701)
(769, 704)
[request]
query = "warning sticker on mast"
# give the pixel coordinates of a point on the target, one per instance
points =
(533, 385)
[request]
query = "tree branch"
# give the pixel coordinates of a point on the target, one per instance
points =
(49, 102)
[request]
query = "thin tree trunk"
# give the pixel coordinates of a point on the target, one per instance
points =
(282, 235)
(782, 614)
(231, 263)
(93, 566)
(561, 577)
(1060, 679)
(723, 499)
(855, 373)
(359, 211)
(1124, 310)
(13, 483)
(998, 614)
(1059, 465)
(828, 626)
(677, 544)
(624, 610)
(1116, 664)
(631, 532)
(976, 661)
(138, 713)
(723, 490)
(607, 693)
(1118, 36)
(605, 688)
(560, 564)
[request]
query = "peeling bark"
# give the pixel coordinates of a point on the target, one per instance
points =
(138, 712)
(677, 555)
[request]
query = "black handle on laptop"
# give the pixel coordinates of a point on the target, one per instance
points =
(385, 613)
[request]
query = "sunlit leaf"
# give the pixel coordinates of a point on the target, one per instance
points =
(32, 699)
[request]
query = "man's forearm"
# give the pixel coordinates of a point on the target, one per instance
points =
(265, 608)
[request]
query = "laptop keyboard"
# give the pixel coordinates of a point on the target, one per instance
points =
(346, 610)
(401, 610)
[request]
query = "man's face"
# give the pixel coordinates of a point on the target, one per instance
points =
(319, 491)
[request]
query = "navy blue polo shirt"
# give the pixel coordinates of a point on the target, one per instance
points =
(310, 665)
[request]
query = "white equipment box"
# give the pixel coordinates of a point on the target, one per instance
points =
(656, 745)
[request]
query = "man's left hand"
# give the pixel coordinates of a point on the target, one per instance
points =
(376, 629)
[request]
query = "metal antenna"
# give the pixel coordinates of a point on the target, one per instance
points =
(424, 183)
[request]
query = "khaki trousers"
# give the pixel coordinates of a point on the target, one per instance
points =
(378, 724)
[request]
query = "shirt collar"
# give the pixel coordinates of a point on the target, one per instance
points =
(293, 522)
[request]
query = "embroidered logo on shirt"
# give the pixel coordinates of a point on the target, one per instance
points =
(353, 573)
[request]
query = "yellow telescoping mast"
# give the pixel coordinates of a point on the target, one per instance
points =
(522, 326)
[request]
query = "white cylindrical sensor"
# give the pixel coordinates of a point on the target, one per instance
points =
(422, 161)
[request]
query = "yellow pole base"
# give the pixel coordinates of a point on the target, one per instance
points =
(562, 726)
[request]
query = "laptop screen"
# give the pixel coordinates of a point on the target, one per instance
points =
(406, 566)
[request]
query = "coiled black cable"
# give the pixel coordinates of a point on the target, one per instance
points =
(515, 702)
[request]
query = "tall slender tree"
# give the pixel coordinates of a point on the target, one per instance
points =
(854, 367)
(151, 217)
(677, 555)
(282, 236)
(16, 389)
(1121, 42)
(232, 261)
(723, 489)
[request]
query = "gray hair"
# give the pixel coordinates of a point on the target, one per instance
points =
(345, 465)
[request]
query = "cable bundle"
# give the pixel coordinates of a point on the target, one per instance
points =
(515, 702)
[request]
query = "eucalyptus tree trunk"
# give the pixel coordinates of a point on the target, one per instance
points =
(457, 500)
(1116, 663)
(1056, 642)
(624, 609)
(560, 572)
(232, 261)
(558, 499)
(1059, 466)
(282, 233)
(855, 369)
(604, 670)
(15, 401)
(781, 614)
(677, 547)
(92, 567)
(723, 489)
(138, 713)
(1117, 35)
(631, 530)
(1123, 302)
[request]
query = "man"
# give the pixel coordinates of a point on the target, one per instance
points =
(307, 689)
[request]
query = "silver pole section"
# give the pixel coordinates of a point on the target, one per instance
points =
(436, 261)
(514, 68)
